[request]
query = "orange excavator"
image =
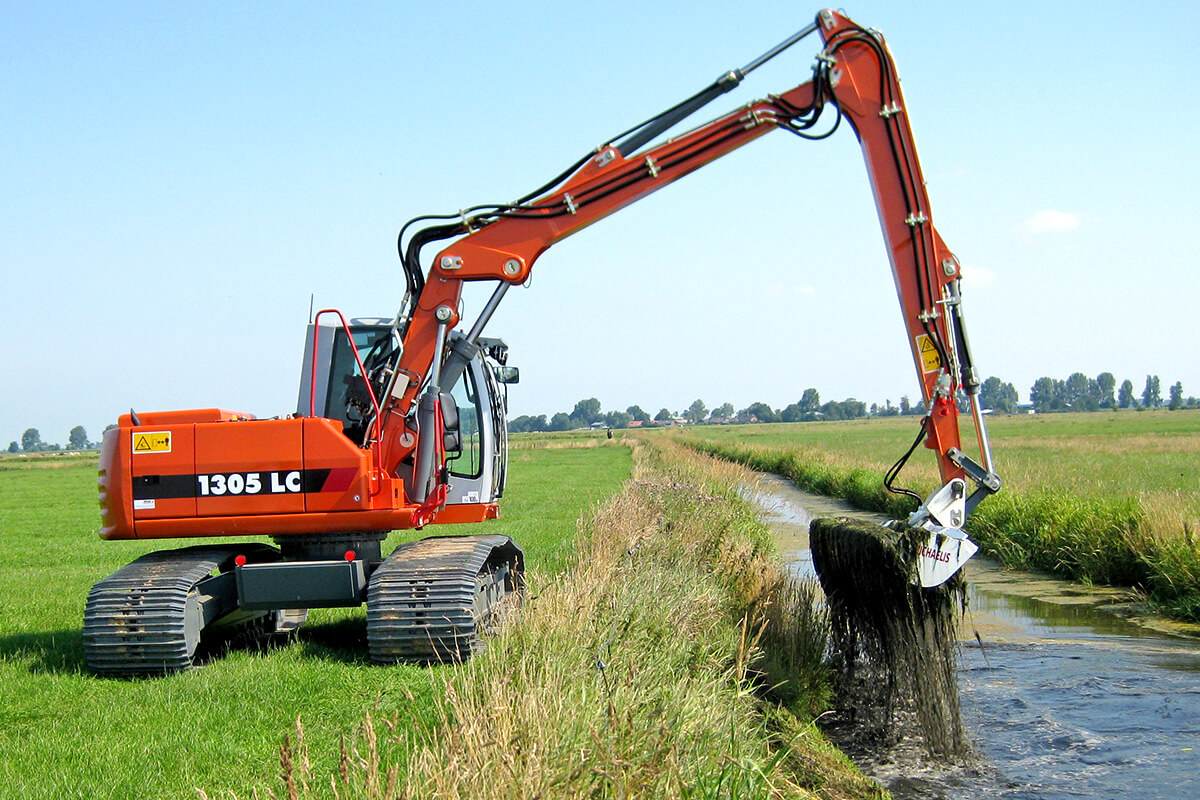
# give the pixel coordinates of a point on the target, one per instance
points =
(400, 422)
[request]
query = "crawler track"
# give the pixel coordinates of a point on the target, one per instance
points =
(433, 599)
(146, 618)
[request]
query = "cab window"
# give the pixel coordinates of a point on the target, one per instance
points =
(468, 462)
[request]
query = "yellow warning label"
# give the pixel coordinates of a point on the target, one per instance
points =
(930, 360)
(157, 442)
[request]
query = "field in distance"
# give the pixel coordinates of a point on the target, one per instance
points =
(1152, 454)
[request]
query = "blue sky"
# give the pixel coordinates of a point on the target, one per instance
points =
(181, 178)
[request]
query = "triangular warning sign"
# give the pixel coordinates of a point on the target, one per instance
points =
(931, 360)
(155, 442)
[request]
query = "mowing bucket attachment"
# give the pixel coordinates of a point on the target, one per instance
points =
(941, 556)
(894, 602)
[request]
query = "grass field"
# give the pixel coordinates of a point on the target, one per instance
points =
(1104, 497)
(661, 653)
(64, 733)
(1153, 454)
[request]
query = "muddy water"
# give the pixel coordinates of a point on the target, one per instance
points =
(1063, 697)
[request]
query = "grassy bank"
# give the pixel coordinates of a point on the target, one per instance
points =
(64, 733)
(1102, 498)
(639, 671)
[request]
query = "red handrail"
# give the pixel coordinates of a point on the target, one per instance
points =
(312, 381)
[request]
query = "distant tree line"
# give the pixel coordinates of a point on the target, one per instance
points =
(588, 413)
(1077, 393)
(1081, 393)
(31, 442)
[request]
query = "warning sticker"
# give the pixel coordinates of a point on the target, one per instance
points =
(157, 442)
(930, 360)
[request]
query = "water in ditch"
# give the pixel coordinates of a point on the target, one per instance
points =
(1062, 698)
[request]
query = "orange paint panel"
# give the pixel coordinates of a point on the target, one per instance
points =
(161, 456)
(249, 467)
(341, 469)
(467, 512)
(116, 504)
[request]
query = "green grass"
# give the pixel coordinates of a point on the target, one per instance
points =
(64, 733)
(1105, 497)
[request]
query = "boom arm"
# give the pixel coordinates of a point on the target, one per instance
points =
(855, 74)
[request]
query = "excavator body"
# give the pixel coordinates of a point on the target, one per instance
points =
(304, 481)
(413, 432)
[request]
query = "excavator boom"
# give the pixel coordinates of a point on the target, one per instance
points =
(854, 75)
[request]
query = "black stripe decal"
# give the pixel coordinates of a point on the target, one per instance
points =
(229, 484)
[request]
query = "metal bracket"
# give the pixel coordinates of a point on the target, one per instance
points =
(751, 120)
(947, 506)
(986, 481)
(985, 478)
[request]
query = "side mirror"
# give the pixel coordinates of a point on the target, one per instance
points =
(508, 374)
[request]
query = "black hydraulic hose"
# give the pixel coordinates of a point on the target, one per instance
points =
(894, 472)
(538, 192)
(633, 174)
(623, 180)
(412, 253)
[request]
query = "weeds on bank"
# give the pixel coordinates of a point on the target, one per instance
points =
(655, 666)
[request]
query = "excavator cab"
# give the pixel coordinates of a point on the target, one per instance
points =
(479, 466)
(335, 388)
(474, 408)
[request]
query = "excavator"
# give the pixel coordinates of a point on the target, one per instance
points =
(400, 422)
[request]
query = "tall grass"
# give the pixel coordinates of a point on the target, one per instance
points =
(1102, 538)
(652, 667)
